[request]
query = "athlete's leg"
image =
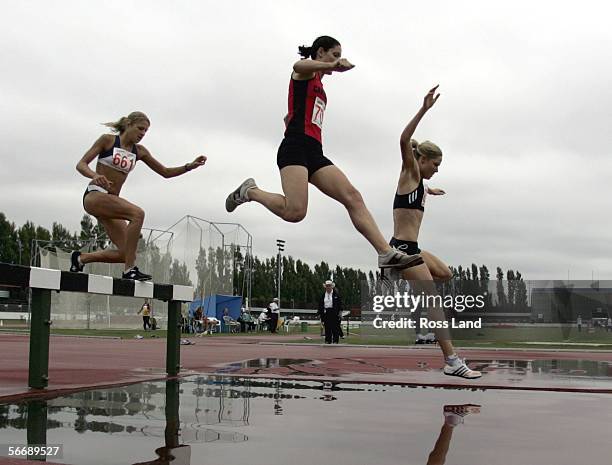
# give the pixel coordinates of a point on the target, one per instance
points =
(422, 281)
(332, 182)
(453, 416)
(116, 230)
(110, 207)
(291, 206)
(438, 269)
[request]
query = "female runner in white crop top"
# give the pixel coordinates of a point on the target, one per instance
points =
(117, 156)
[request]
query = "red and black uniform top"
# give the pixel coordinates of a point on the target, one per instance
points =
(307, 101)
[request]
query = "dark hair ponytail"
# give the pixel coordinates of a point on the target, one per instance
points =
(326, 42)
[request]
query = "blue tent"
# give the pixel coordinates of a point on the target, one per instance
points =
(215, 305)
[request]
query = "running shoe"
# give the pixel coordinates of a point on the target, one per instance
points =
(135, 275)
(461, 370)
(399, 260)
(75, 265)
(239, 196)
(454, 414)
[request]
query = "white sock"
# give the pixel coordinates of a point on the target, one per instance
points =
(387, 254)
(452, 359)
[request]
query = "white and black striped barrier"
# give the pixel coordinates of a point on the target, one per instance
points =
(42, 281)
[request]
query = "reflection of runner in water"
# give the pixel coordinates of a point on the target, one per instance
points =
(453, 416)
(419, 162)
(301, 160)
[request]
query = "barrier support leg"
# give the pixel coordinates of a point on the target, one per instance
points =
(37, 427)
(40, 327)
(173, 348)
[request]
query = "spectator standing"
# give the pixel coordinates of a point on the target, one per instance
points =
(330, 309)
(146, 314)
(274, 315)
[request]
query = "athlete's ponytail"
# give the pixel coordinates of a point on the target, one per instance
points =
(325, 42)
(121, 125)
(425, 149)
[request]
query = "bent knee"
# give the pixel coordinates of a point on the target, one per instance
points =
(295, 215)
(352, 198)
(444, 274)
(138, 215)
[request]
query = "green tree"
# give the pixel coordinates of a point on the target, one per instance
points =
(27, 234)
(511, 287)
(9, 250)
(179, 274)
(501, 294)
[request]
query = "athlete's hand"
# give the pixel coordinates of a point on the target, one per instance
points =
(342, 64)
(102, 181)
(199, 161)
(430, 98)
(435, 191)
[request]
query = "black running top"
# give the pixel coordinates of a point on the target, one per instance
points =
(414, 200)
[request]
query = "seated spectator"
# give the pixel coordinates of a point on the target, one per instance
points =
(263, 318)
(197, 320)
(246, 321)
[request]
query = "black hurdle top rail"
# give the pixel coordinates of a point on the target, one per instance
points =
(45, 278)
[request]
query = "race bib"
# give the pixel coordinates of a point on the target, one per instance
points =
(318, 112)
(123, 160)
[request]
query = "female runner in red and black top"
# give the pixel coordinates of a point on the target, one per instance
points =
(301, 160)
(117, 156)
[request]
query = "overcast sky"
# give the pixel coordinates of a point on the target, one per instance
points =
(523, 119)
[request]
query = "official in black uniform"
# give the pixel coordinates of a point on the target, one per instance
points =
(330, 309)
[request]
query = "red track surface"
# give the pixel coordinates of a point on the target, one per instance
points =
(79, 363)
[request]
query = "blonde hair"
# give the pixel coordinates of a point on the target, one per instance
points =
(123, 122)
(425, 149)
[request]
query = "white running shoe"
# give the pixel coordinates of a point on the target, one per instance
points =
(239, 196)
(454, 414)
(399, 260)
(461, 370)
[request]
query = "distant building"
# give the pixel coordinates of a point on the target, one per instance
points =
(563, 304)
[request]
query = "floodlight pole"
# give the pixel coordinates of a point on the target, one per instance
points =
(280, 243)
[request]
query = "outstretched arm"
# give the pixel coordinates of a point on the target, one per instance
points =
(165, 171)
(435, 191)
(306, 68)
(408, 159)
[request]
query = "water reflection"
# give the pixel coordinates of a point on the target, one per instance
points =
(230, 420)
(141, 409)
(547, 367)
(454, 415)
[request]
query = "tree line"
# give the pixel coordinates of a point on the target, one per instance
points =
(224, 270)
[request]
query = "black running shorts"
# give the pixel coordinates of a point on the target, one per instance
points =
(302, 150)
(408, 247)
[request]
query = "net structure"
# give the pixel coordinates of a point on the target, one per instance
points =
(215, 258)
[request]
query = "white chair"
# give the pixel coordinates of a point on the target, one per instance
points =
(216, 324)
(295, 321)
(230, 324)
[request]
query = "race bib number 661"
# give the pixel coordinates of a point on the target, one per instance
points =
(123, 160)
